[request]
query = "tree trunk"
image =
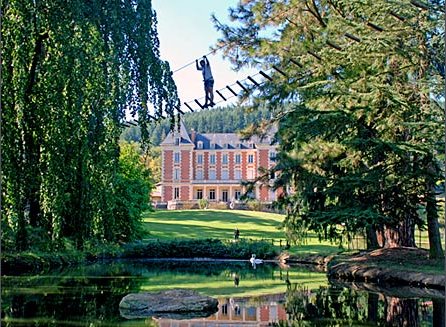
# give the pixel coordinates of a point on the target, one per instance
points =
(372, 307)
(372, 238)
(435, 249)
(402, 312)
(439, 316)
(403, 234)
(31, 136)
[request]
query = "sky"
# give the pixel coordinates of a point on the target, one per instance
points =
(186, 33)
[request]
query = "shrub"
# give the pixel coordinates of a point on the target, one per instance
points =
(200, 248)
(203, 203)
(254, 205)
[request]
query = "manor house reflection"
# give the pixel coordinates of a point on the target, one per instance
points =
(237, 312)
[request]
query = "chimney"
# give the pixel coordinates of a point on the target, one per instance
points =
(192, 135)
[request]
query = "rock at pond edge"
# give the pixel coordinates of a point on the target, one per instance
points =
(177, 304)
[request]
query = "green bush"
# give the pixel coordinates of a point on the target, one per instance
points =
(133, 185)
(203, 203)
(254, 205)
(201, 248)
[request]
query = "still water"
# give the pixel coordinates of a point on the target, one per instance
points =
(267, 295)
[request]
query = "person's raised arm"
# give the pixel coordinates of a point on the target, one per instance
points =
(196, 63)
(206, 61)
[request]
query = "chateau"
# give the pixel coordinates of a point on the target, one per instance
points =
(212, 166)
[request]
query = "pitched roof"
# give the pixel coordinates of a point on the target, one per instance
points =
(181, 133)
(217, 140)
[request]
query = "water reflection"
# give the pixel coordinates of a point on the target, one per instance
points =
(268, 295)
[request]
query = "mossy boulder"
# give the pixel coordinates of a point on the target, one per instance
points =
(174, 304)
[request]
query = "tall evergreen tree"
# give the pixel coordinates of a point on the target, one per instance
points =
(359, 127)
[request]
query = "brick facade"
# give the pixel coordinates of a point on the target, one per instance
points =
(212, 166)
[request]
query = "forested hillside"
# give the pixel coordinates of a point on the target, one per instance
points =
(224, 120)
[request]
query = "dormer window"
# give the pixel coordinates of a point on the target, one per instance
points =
(212, 145)
(199, 145)
(177, 141)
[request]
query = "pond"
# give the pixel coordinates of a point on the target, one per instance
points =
(267, 295)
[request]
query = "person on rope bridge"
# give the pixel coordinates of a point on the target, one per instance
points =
(208, 80)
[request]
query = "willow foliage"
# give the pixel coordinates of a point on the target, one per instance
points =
(70, 70)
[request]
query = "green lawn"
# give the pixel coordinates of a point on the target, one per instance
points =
(220, 224)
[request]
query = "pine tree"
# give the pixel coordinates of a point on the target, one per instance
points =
(358, 125)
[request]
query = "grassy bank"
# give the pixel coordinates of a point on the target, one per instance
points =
(220, 224)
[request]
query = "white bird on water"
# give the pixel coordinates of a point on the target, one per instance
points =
(253, 260)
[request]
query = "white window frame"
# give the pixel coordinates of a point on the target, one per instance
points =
(212, 174)
(177, 174)
(237, 174)
(224, 159)
(177, 157)
(199, 174)
(212, 159)
(225, 174)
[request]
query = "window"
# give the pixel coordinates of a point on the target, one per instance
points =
(200, 145)
(176, 193)
(176, 157)
(250, 158)
(224, 309)
(212, 159)
(238, 158)
(250, 174)
(212, 145)
(212, 174)
(224, 195)
(272, 195)
(199, 159)
(176, 174)
(224, 159)
(199, 194)
(225, 174)
(199, 174)
(212, 194)
(272, 175)
(237, 194)
(177, 141)
(237, 174)
(272, 155)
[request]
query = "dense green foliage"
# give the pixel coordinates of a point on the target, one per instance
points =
(69, 73)
(219, 120)
(359, 120)
(133, 186)
(200, 248)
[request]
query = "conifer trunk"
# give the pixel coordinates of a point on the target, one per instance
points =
(403, 234)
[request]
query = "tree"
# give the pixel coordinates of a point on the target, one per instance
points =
(70, 71)
(354, 83)
(134, 183)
